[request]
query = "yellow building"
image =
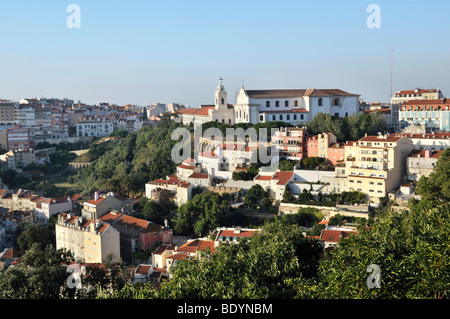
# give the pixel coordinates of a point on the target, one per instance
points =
(375, 165)
(89, 240)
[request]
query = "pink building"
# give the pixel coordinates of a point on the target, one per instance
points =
(290, 142)
(18, 138)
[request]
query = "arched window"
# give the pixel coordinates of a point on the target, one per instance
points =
(288, 117)
(281, 117)
(222, 101)
(320, 102)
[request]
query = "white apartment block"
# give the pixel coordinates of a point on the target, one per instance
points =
(95, 128)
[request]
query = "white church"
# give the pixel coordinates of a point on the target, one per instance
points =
(259, 106)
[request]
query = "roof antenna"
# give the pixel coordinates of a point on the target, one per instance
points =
(392, 67)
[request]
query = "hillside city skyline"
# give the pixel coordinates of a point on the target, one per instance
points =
(144, 52)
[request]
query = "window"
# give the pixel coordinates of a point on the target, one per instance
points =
(281, 117)
(295, 116)
(295, 103)
(336, 102)
(286, 103)
(288, 117)
(273, 118)
(277, 103)
(320, 102)
(261, 118)
(267, 103)
(301, 116)
(222, 101)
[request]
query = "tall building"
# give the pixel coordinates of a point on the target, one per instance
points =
(434, 114)
(375, 165)
(291, 142)
(92, 241)
(8, 112)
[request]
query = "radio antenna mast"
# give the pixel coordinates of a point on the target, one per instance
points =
(392, 69)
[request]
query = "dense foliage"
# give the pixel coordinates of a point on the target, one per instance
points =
(201, 214)
(350, 128)
(126, 164)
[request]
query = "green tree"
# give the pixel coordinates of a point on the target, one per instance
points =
(35, 234)
(436, 187)
(40, 275)
(410, 248)
(254, 196)
(201, 214)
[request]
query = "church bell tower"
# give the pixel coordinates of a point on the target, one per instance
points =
(221, 97)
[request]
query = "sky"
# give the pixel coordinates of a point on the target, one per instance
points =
(145, 52)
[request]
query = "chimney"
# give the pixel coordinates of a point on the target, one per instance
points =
(428, 153)
(96, 196)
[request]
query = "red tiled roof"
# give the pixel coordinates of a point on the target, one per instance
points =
(283, 177)
(263, 178)
(143, 269)
(96, 202)
(178, 256)
(372, 138)
(426, 102)
(331, 235)
(186, 167)
(411, 92)
(424, 153)
(12, 253)
(199, 175)
(163, 247)
(196, 245)
(232, 233)
(110, 217)
(286, 93)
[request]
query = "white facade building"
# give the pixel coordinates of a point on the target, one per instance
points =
(94, 128)
(260, 106)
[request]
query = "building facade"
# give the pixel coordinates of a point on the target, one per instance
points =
(434, 114)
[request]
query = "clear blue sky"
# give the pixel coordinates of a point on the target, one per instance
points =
(143, 52)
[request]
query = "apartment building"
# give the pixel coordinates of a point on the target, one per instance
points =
(375, 165)
(433, 114)
(181, 190)
(136, 234)
(438, 141)
(103, 203)
(95, 128)
(416, 94)
(92, 241)
(42, 208)
(9, 112)
(16, 137)
(291, 142)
